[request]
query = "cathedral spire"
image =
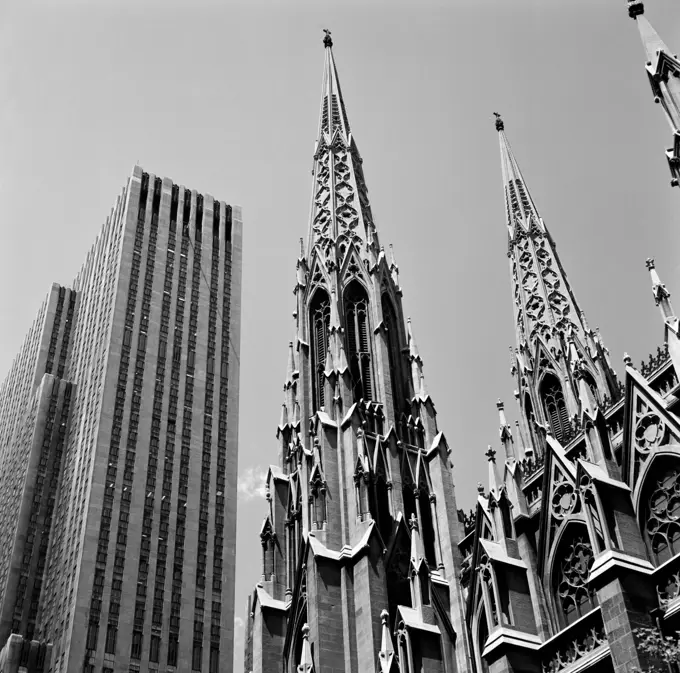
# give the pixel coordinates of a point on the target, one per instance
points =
(663, 70)
(341, 214)
(544, 303)
(551, 331)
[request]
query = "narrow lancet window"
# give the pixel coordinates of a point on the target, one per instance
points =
(393, 351)
(320, 316)
(358, 343)
(556, 408)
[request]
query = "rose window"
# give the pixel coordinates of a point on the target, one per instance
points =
(650, 432)
(563, 500)
(663, 523)
(573, 594)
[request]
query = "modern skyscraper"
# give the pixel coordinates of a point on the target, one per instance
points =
(118, 446)
(367, 564)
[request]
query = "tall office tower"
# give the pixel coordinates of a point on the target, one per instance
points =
(118, 447)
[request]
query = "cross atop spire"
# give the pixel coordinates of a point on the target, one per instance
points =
(327, 41)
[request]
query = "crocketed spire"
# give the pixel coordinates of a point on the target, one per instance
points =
(341, 213)
(545, 306)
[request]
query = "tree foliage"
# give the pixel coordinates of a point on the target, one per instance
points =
(663, 650)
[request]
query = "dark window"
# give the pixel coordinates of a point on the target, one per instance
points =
(111, 636)
(197, 656)
(136, 650)
(570, 576)
(172, 649)
(154, 649)
(393, 352)
(556, 408)
(358, 341)
(320, 317)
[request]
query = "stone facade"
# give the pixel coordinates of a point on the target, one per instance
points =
(119, 447)
(367, 562)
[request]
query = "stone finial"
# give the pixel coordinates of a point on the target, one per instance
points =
(327, 41)
(413, 522)
(480, 488)
(635, 8)
(500, 126)
(491, 455)
(306, 664)
(627, 360)
(499, 405)
(649, 263)
(386, 655)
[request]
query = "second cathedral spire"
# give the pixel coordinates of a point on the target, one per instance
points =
(555, 346)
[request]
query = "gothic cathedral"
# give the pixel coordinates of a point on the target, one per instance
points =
(368, 565)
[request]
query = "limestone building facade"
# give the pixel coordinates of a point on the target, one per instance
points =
(118, 448)
(368, 564)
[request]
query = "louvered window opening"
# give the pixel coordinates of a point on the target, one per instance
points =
(393, 352)
(321, 317)
(556, 411)
(335, 111)
(358, 345)
(521, 191)
(324, 115)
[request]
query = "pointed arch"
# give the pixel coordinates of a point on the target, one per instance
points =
(319, 323)
(590, 382)
(572, 595)
(481, 635)
(425, 506)
(392, 334)
(405, 650)
(555, 407)
(317, 498)
(659, 508)
(358, 331)
(382, 485)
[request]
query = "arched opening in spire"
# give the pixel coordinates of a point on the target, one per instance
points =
(393, 352)
(381, 492)
(555, 407)
(357, 327)
(319, 321)
(427, 526)
(317, 501)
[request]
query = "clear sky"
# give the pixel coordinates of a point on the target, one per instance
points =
(223, 97)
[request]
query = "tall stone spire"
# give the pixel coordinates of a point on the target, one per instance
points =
(360, 453)
(340, 209)
(544, 303)
(553, 337)
(663, 70)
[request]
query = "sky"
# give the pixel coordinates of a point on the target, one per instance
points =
(223, 97)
